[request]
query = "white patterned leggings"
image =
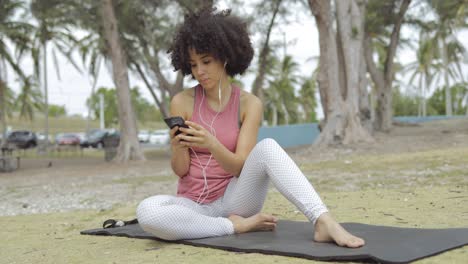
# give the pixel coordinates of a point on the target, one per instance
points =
(173, 218)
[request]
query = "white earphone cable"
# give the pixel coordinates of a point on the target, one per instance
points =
(213, 132)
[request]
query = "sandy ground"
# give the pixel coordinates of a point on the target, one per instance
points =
(415, 176)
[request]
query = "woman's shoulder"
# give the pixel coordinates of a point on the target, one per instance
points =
(249, 100)
(184, 94)
(182, 102)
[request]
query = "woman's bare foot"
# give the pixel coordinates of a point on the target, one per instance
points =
(258, 222)
(328, 230)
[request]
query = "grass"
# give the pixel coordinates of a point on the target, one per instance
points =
(405, 170)
(426, 189)
(55, 238)
(402, 161)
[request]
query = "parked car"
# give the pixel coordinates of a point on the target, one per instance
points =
(68, 139)
(144, 136)
(96, 138)
(22, 139)
(160, 137)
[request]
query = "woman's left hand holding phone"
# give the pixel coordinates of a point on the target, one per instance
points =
(176, 140)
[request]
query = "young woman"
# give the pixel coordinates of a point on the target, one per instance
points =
(223, 172)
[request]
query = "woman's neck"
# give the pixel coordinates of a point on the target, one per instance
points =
(212, 96)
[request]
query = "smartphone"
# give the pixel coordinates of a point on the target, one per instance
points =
(175, 121)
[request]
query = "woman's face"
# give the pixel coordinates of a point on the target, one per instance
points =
(206, 69)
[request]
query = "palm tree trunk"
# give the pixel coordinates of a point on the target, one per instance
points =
(420, 103)
(448, 95)
(129, 147)
(425, 89)
(274, 118)
(286, 113)
(88, 117)
(46, 99)
(2, 111)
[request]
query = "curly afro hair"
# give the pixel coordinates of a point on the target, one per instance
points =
(220, 34)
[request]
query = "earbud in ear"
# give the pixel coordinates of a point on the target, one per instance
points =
(225, 63)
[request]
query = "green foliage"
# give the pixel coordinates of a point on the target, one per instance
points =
(144, 111)
(380, 16)
(280, 99)
(404, 105)
(57, 110)
(29, 99)
(437, 100)
(307, 100)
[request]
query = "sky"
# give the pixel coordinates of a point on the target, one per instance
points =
(74, 88)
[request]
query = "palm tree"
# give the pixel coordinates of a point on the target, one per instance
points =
(425, 69)
(129, 147)
(53, 21)
(307, 98)
(16, 33)
(281, 101)
(449, 14)
(30, 98)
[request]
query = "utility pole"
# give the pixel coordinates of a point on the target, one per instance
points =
(101, 110)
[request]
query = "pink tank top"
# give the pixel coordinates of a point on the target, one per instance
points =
(226, 127)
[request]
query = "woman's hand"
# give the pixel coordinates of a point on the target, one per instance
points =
(175, 140)
(196, 136)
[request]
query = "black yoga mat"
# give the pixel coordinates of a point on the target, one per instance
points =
(384, 244)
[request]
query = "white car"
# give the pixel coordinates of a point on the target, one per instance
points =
(160, 137)
(144, 136)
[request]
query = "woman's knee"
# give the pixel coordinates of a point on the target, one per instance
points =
(267, 144)
(266, 147)
(149, 211)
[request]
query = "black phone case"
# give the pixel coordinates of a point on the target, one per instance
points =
(175, 121)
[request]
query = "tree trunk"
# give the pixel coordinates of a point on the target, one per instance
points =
(341, 107)
(274, 118)
(129, 147)
(384, 111)
(257, 88)
(448, 95)
(88, 118)
(46, 99)
(159, 103)
(383, 79)
(365, 112)
(286, 114)
(164, 85)
(2, 111)
(425, 89)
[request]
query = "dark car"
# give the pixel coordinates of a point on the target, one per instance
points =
(98, 138)
(22, 139)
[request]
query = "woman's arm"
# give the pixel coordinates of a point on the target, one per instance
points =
(180, 158)
(230, 162)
